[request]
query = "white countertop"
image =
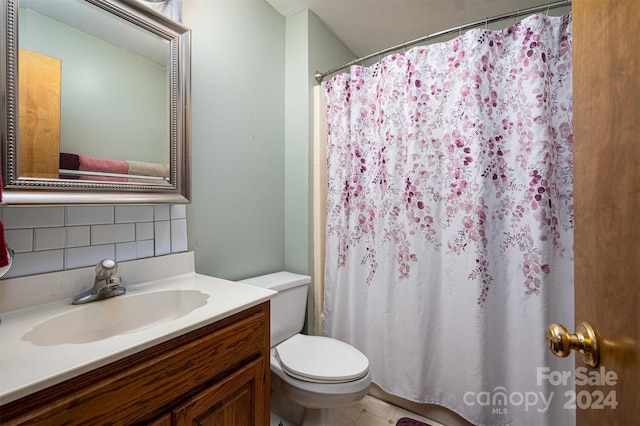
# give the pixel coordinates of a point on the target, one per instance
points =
(26, 368)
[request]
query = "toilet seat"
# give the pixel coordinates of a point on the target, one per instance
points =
(320, 359)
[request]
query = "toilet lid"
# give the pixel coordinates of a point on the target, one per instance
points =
(321, 359)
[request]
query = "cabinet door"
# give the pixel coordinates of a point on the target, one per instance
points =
(236, 400)
(164, 420)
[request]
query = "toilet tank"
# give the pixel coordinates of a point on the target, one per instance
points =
(289, 306)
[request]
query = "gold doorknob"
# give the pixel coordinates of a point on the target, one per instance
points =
(586, 341)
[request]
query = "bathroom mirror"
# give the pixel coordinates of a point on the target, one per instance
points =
(96, 103)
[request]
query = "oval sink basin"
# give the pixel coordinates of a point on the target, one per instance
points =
(115, 316)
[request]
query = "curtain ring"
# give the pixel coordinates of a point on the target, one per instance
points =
(486, 23)
(548, 7)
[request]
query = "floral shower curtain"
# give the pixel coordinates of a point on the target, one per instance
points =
(449, 240)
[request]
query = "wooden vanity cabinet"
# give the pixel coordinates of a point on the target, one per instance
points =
(216, 375)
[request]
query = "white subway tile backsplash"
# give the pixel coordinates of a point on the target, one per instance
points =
(32, 217)
(144, 231)
(36, 262)
(178, 235)
(119, 233)
(127, 214)
(162, 231)
(178, 211)
(20, 240)
(48, 238)
(87, 256)
(126, 251)
(78, 236)
(89, 215)
(145, 248)
(54, 238)
(161, 213)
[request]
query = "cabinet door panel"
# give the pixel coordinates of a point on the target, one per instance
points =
(164, 420)
(234, 410)
(235, 400)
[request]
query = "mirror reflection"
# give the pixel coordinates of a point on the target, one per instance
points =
(94, 96)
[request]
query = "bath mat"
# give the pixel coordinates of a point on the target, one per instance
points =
(406, 421)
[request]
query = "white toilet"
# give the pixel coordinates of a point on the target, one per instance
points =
(311, 376)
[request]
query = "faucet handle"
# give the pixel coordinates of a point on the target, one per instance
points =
(105, 269)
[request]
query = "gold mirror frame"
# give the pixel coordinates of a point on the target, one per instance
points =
(30, 191)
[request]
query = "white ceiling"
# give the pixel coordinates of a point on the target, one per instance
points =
(368, 26)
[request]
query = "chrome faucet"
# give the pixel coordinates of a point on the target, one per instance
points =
(106, 284)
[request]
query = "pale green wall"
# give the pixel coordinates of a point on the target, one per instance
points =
(310, 47)
(326, 51)
(252, 121)
(236, 219)
(297, 172)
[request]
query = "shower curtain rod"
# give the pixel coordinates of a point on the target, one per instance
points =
(321, 75)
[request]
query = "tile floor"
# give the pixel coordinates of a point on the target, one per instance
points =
(374, 412)
(369, 412)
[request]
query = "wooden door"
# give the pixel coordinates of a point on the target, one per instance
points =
(39, 83)
(606, 122)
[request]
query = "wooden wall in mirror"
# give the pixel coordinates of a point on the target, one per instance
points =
(95, 103)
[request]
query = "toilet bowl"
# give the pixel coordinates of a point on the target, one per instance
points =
(341, 379)
(318, 374)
